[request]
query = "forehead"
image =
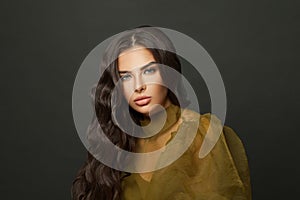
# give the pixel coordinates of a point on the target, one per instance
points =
(133, 58)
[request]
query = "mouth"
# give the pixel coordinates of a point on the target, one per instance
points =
(142, 100)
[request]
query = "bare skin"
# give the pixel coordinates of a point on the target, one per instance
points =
(133, 75)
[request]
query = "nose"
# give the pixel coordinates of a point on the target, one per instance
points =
(139, 85)
(140, 89)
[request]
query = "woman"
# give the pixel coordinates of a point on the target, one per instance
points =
(133, 64)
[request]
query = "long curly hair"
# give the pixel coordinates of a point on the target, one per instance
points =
(95, 180)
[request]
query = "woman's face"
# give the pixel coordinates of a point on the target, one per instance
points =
(141, 80)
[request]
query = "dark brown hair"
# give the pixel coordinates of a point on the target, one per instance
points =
(95, 180)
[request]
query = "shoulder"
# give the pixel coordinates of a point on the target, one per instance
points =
(217, 148)
(207, 122)
(208, 127)
(210, 132)
(205, 119)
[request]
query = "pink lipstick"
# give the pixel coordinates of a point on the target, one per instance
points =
(142, 100)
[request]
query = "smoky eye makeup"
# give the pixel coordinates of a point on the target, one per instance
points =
(125, 76)
(148, 69)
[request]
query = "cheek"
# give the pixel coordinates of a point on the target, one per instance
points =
(160, 91)
(164, 91)
(127, 92)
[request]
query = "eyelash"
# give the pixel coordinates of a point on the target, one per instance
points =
(146, 71)
(124, 76)
(152, 70)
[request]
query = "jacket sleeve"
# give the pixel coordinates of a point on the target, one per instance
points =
(223, 173)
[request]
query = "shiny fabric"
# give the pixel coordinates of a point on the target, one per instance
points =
(222, 175)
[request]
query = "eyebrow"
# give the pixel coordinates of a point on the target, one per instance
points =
(141, 68)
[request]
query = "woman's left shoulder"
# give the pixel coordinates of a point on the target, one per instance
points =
(207, 123)
(204, 120)
(219, 147)
(210, 132)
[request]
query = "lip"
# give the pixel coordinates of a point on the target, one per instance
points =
(142, 100)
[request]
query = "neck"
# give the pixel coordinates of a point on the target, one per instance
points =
(154, 125)
(156, 110)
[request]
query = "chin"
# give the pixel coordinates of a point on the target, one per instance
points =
(145, 110)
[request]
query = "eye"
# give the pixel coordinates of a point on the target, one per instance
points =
(126, 77)
(149, 70)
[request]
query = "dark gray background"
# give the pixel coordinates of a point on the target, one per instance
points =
(255, 44)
